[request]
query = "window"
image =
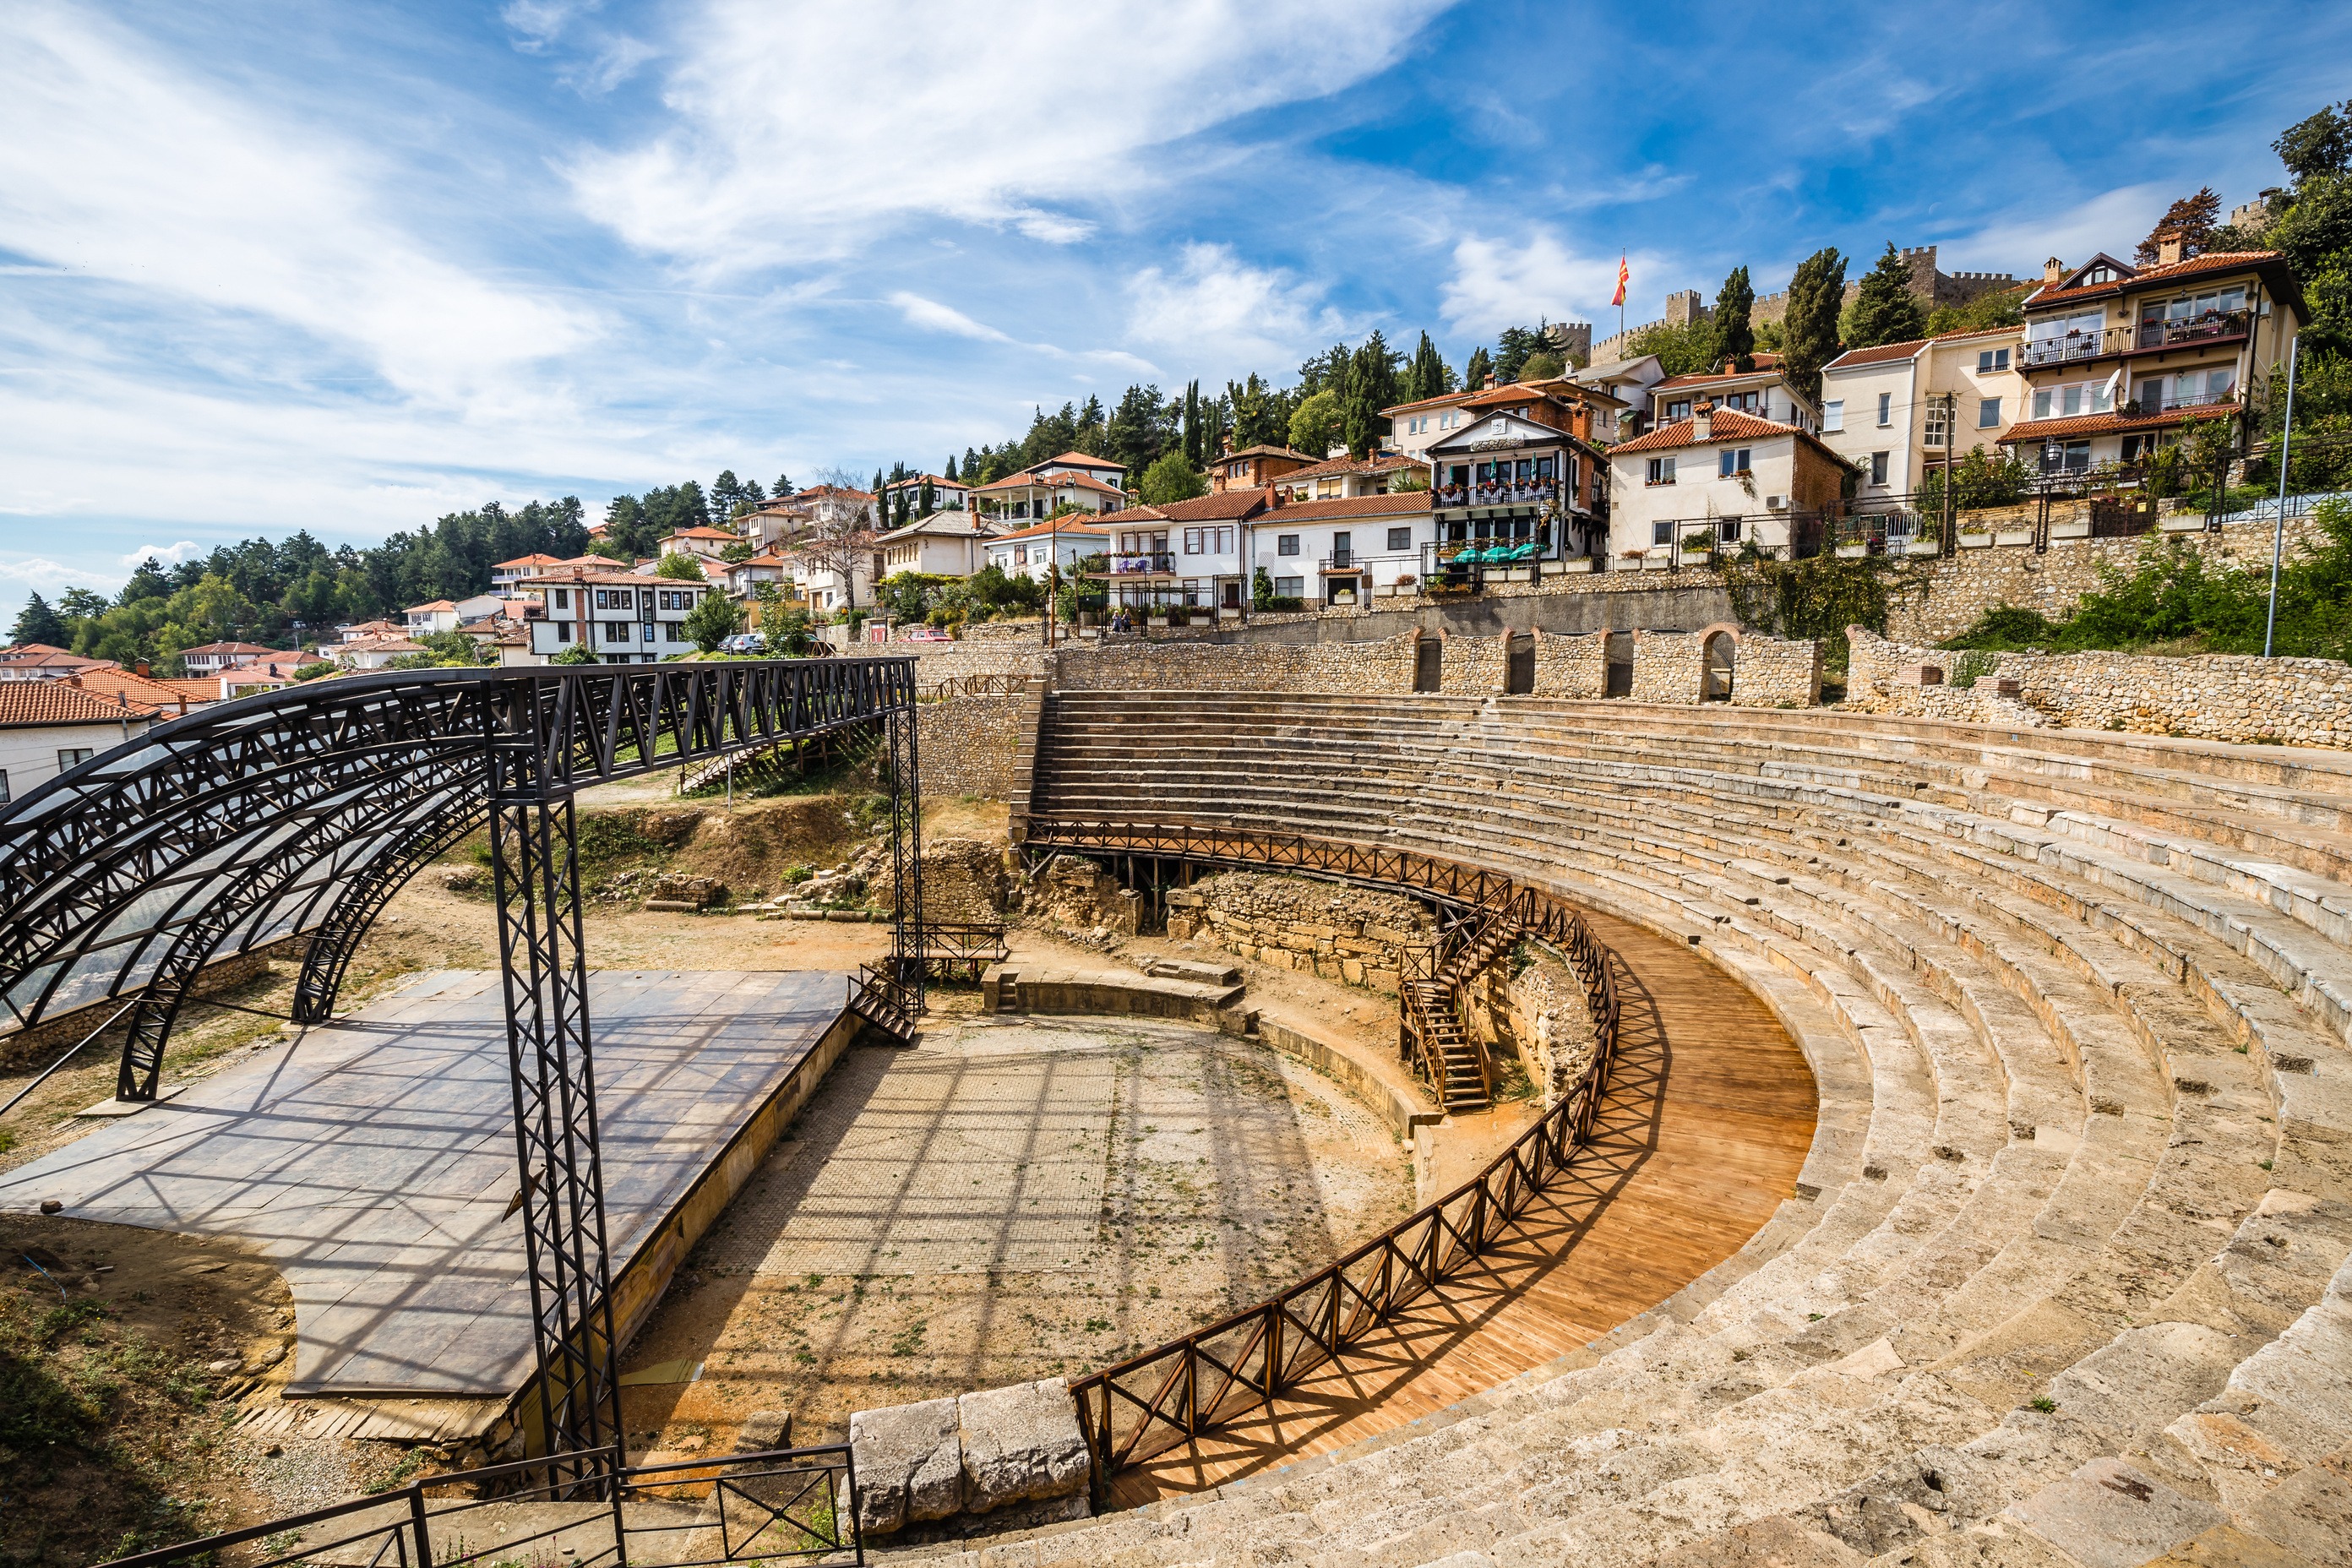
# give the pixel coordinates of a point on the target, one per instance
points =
(1885, 408)
(1933, 433)
(1732, 460)
(1678, 410)
(563, 631)
(1401, 538)
(1221, 541)
(3, 786)
(673, 632)
(1878, 467)
(1991, 360)
(1727, 530)
(2071, 457)
(1662, 471)
(649, 631)
(1661, 533)
(1747, 402)
(564, 598)
(1192, 541)
(1988, 413)
(1833, 415)
(1286, 545)
(74, 756)
(1290, 587)
(2097, 275)
(1343, 547)
(616, 631)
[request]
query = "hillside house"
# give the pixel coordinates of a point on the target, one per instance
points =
(1065, 542)
(1898, 412)
(1718, 480)
(1344, 549)
(47, 727)
(620, 616)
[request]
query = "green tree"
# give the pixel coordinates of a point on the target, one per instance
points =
(1171, 478)
(37, 622)
(1884, 311)
(1480, 365)
(576, 653)
(1371, 386)
(1427, 374)
(213, 605)
(1808, 329)
(681, 567)
(2320, 147)
(1543, 365)
(2189, 220)
(1734, 339)
(1687, 349)
(713, 621)
(1997, 308)
(927, 500)
(1317, 425)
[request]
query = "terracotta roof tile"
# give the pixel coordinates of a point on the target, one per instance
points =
(2129, 281)
(1095, 525)
(1404, 503)
(29, 650)
(1220, 507)
(141, 692)
(228, 647)
(2110, 423)
(1383, 463)
(1264, 449)
(59, 660)
(1729, 425)
(1082, 460)
(59, 702)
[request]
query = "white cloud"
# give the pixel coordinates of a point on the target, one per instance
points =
(801, 131)
(120, 167)
(1496, 284)
(43, 575)
(1215, 305)
(172, 553)
(2072, 230)
(933, 316)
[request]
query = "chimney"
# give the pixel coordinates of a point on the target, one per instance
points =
(143, 668)
(1702, 420)
(2053, 270)
(2168, 249)
(73, 680)
(1493, 380)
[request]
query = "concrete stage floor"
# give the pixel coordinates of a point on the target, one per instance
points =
(373, 1159)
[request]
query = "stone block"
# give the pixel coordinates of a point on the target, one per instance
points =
(1919, 675)
(1021, 1442)
(2110, 1515)
(909, 1464)
(763, 1430)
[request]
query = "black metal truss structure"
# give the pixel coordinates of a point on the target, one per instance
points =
(300, 813)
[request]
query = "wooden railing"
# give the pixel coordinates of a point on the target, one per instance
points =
(1213, 1376)
(955, 686)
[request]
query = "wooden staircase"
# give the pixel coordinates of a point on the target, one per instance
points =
(1455, 1062)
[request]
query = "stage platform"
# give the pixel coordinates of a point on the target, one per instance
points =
(373, 1161)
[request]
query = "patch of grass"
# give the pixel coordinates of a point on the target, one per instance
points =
(95, 1436)
(2045, 1403)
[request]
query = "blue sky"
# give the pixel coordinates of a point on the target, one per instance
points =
(348, 266)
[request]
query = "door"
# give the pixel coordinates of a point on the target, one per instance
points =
(1428, 663)
(1519, 670)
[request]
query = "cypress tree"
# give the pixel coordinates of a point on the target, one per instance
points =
(1809, 332)
(1884, 311)
(1734, 339)
(926, 500)
(1481, 366)
(950, 473)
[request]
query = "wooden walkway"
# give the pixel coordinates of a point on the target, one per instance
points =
(1707, 1123)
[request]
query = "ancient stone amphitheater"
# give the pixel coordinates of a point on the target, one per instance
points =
(2064, 1280)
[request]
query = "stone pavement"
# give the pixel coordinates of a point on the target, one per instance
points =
(373, 1160)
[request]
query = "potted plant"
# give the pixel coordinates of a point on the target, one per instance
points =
(1851, 543)
(1159, 617)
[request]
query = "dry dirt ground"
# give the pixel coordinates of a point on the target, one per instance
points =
(1011, 1199)
(1215, 1171)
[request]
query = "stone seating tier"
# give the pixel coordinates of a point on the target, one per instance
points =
(2079, 1194)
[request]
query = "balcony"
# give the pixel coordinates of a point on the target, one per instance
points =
(1149, 566)
(2075, 346)
(2188, 331)
(1342, 562)
(1451, 495)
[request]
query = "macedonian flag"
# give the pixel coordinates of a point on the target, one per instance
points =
(1622, 277)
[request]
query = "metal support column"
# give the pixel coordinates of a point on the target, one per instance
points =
(535, 865)
(908, 941)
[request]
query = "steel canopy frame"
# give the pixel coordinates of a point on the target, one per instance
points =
(301, 812)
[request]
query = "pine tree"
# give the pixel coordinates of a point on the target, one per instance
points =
(2189, 220)
(1809, 331)
(1884, 311)
(1481, 366)
(1371, 386)
(37, 622)
(783, 486)
(950, 474)
(1734, 339)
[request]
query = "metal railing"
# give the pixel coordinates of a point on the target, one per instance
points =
(1448, 497)
(1140, 565)
(778, 1505)
(1211, 1377)
(951, 945)
(2212, 325)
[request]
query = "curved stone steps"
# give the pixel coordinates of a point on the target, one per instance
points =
(1744, 1409)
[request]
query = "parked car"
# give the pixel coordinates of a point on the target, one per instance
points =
(924, 634)
(744, 642)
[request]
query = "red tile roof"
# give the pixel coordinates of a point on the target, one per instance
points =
(525, 561)
(1403, 503)
(422, 609)
(1029, 480)
(1441, 400)
(1126, 517)
(59, 702)
(1079, 459)
(1220, 507)
(28, 650)
(59, 660)
(1382, 463)
(1262, 450)
(146, 695)
(1729, 425)
(228, 647)
(1885, 352)
(703, 534)
(2110, 423)
(2128, 279)
(1696, 379)
(1094, 525)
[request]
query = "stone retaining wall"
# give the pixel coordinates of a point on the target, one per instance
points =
(1540, 1015)
(1385, 665)
(1349, 934)
(1571, 666)
(1666, 667)
(2216, 697)
(1933, 599)
(966, 745)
